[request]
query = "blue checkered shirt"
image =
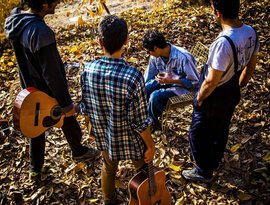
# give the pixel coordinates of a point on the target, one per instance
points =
(114, 98)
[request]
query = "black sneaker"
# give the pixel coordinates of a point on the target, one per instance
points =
(91, 154)
(193, 175)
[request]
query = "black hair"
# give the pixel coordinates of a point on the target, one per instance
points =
(153, 38)
(36, 5)
(228, 8)
(113, 32)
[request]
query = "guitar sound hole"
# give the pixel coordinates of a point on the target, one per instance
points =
(48, 122)
(56, 112)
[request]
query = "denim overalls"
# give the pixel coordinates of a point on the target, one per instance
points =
(209, 128)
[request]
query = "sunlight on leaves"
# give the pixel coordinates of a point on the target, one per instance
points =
(174, 167)
(235, 147)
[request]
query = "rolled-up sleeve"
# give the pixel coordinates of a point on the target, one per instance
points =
(151, 70)
(192, 77)
(137, 107)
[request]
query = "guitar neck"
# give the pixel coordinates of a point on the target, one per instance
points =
(106, 8)
(151, 176)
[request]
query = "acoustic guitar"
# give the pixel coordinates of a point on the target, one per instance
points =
(149, 188)
(34, 112)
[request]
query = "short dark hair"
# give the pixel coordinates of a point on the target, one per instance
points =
(36, 5)
(153, 38)
(228, 8)
(113, 32)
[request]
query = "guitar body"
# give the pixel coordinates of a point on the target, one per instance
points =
(34, 112)
(139, 190)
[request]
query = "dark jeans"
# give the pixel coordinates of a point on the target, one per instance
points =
(209, 128)
(72, 132)
(157, 97)
(208, 134)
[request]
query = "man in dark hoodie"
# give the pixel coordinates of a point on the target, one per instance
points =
(40, 66)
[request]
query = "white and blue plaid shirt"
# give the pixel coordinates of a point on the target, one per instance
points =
(114, 98)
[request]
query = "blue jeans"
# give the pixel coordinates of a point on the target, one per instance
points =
(157, 96)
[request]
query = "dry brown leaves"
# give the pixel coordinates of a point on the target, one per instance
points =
(244, 177)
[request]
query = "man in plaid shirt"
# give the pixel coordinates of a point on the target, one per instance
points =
(114, 98)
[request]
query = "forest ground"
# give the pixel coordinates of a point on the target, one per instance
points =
(244, 177)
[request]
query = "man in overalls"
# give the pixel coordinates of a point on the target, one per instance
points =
(231, 62)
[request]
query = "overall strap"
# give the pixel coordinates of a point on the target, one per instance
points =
(234, 52)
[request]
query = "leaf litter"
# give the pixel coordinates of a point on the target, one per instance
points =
(244, 177)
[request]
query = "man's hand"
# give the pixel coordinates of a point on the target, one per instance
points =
(150, 145)
(166, 78)
(163, 78)
(149, 154)
(71, 112)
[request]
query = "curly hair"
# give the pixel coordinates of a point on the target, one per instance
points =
(113, 32)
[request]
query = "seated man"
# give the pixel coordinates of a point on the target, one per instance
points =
(171, 72)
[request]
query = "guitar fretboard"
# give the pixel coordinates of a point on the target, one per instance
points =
(151, 176)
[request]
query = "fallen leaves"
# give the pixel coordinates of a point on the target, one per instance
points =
(174, 167)
(267, 157)
(244, 176)
(234, 148)
(244, 197)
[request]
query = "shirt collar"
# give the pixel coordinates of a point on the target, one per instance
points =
(173, 53)
(118, 61)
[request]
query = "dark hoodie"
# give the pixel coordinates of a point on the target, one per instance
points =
(38, 59)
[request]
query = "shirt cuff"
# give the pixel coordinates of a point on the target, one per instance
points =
(186, 83)
(140, 128)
